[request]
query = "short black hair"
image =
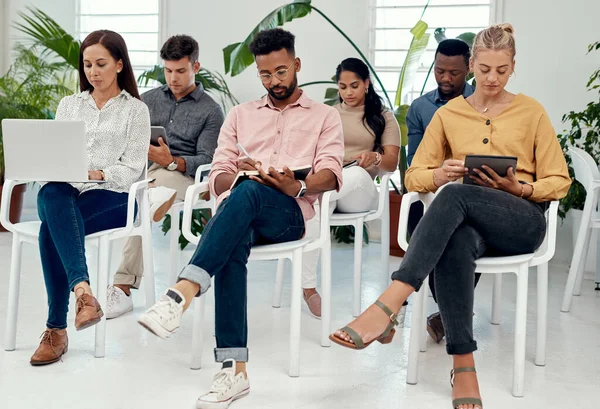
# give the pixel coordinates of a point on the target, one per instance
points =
(452, 47)
(271, 40)
(178, 47)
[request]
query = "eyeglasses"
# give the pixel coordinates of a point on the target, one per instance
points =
(280, 74)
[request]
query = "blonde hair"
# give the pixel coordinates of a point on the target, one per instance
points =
(497, 37)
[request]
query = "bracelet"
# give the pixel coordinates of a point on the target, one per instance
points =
(378, 159)
(102, 173)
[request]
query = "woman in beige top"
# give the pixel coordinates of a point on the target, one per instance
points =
(372, 144)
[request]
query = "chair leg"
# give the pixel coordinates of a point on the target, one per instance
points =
(197, 332)
(278, 288)
(295, 313)
(326, 293)
(416, 332)
(579, 255)
(13, 294)
(497, 299)
(174, 244)
(358, 229)
(149, 281)
(520, 331)
(542, 314)
(423, 337)
(385, 245)
(103, 266)
(581, 272)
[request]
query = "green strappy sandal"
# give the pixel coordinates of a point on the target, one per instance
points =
(384, 338)
(463, 401)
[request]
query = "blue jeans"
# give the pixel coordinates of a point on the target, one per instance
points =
(462, 224)
(252, 214)
(67, 217)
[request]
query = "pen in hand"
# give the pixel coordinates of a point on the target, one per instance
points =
(254, 164)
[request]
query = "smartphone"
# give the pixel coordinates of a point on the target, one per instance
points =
(158, 132)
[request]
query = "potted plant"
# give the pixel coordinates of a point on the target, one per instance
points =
(585, 134)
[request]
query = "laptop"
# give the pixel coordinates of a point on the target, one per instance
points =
(45, 150)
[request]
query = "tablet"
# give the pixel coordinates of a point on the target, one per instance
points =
(499, 164)
(155, 133)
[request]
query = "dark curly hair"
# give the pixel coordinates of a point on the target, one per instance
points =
(271, 40)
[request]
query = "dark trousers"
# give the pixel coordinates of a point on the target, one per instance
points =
(462, 224)
(252, 214)
(414, 216)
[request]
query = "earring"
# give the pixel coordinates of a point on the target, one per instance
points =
(118, 71)
(367, 91)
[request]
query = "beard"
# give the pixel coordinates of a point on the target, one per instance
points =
(288, 90)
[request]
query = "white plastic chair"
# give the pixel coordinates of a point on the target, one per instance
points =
(357, 220)
(27, 232)
(175, 213)
(587, 173)
(519, 265)
(291, 250)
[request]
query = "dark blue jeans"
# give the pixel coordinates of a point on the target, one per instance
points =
(67, 217)
(462, 224)
(253, 214)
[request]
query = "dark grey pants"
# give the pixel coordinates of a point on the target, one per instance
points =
(463, 223)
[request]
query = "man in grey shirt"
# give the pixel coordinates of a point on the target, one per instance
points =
(192, 121)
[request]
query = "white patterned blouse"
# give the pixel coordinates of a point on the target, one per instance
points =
(118, 136)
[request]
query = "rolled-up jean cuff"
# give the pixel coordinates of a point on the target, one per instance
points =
(413, 282)
(239, 354)
(461, 349)
(196, 275)
(79, 279)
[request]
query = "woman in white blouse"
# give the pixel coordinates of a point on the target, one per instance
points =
(118, 134)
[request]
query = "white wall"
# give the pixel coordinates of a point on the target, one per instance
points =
(217, 24)
(551, 46)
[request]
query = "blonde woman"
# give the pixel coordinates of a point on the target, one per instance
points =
(497, 215)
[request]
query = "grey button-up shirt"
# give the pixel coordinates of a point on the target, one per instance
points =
(419, 115)
(192, 124)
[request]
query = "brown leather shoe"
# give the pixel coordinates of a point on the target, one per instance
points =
(435, 327)
(314, 304)
(53, 346)
(88, 312)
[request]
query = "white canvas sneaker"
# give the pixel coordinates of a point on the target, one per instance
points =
(161, 199)
(117, 302)
(226, 387)
(164, 317)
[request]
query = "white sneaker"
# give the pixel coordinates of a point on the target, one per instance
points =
(161, 199)
(164, 317)
(117, 302)
(226, 387)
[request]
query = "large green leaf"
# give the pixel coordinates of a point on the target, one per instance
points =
(45, 31)
(400, 114)
(411, 63)
(237, 57)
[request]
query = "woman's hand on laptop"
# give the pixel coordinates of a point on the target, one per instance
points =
(95, 175)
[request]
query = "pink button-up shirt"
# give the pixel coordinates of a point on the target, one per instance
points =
(303, 133)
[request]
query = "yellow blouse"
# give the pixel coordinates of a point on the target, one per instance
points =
(523, 130)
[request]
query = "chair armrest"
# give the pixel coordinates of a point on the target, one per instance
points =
(7, 190)
(407, 200)
(324, 229)
(548, 247)
(201, 168)
(384, 193)
(192, 197)
(141, 185)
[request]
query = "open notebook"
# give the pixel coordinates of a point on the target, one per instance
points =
(300, 173)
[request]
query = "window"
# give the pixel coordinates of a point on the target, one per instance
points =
(390, 36)
(138, 21)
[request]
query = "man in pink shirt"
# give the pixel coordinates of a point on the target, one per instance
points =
(285, 129)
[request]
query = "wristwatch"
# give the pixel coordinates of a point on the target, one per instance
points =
(172, 165)
(302, 190)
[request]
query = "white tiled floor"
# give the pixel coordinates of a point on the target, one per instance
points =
(142, 371)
